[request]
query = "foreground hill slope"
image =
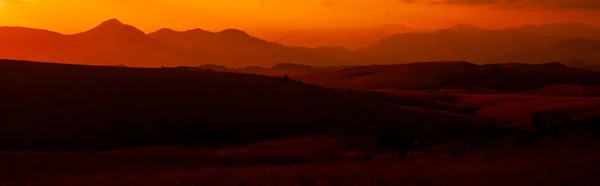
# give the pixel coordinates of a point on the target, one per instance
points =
(86, 107)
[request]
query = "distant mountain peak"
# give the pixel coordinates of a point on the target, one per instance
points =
(552, 65)
(115, 27)
(198, 31)
(165, 30)
(234, 33)
(111, 22)
(464, 28)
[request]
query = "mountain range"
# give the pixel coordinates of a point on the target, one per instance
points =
(115, 43)
(530, 44)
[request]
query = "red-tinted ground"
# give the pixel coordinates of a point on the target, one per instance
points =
(517, 110)
(72, 107)
(84, 125)
(573, 160)
(454, 75)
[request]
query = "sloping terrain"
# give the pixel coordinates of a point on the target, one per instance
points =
(569, 160)
(422, 99)
(567, 91)
(518, 110)
(513, 77)
(85, 107)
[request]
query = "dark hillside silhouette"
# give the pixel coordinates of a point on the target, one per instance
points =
(86, 107)
(294, 67)
(512, 77)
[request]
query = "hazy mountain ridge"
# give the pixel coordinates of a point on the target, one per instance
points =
(351, 38)
(469, 43)
(237, 48)
(115, 43)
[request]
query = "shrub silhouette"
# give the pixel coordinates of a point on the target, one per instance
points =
(540, 125)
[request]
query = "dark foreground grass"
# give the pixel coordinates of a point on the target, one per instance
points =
(574, 160)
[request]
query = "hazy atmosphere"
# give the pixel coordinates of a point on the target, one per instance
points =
(70, 16)
(299, 93)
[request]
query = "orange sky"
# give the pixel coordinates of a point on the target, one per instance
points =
(69, 16)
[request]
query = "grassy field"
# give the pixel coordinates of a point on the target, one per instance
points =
(573, 160)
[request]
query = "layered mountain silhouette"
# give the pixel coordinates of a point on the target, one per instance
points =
(469, 43)
(237, 48)
(564, 30)
(115, 43)
(352, 38)
(583, 52)
(110, 43)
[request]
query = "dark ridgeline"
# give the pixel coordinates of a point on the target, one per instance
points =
(116, 43)
(530, 44)
(507, 77)
(76, 107)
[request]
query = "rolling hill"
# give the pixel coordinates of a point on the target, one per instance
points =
(75, 107)
(517, 110)
(512, 77)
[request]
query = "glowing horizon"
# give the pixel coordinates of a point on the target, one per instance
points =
(72, 16)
